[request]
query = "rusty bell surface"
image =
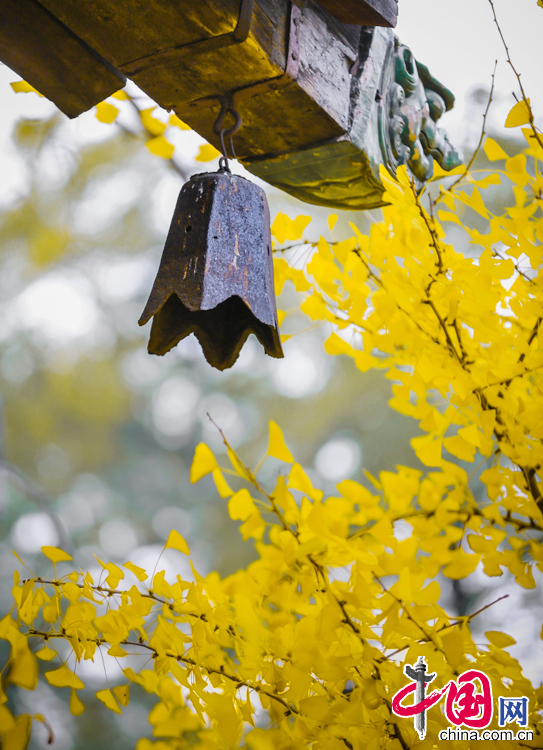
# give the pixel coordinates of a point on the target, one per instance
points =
(216, 274)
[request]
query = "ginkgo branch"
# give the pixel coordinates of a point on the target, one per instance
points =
(517, 76)
(445, 330)
(481, 139)
(458, 621)
(433, 235)
(179, 658)
(408, 614)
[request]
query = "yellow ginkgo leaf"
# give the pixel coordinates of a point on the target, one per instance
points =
(298, 480)
(18, 558)
(106, 113)
(332, 219)
(461, 566)
(46, 653)
(476, 202)
(519, 115)
(106, 696)
(55, 554)
(122, 693)
(236, 465)
(120, 95)
(207, 152)
(22, 87)
(241, 505)
(428, 449)
(115, 574)
(176, 541)
(516, 164)
(64, 677)
(343, 249)
(314, 306)
(203, 463)
(277, 448)
(177, 123)
(17, 736)
(440, 172)
(7, 720)
(76, 707)
(150, 123)
(457, 446)
(284, 228)
(140, 573)
(159, 146)
(493, 150)
(499, 639)
(223, 488)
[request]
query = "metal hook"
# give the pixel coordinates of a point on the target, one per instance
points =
(227, 107)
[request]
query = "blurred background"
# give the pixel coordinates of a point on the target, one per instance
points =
(98, 436)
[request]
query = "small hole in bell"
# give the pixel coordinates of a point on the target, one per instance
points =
(188, 227)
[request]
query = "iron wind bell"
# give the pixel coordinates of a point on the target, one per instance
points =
(216, 273)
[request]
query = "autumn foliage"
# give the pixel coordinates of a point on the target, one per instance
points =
(304, 648)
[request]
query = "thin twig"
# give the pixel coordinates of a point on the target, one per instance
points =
(517, 268)
(184, 659)
(252, 479)
(427, 636)
(468, 619)
(481, 139)
(433, 236)
(506, 381)
(112, 592)
(517, 75)
(445, 330)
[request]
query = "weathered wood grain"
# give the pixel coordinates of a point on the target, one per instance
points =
(341, 173)
(308, 105)
(364, 12)
(155, 43)
(325, 62)
(192, 73)
(148, 40)
(53, 59)
(126, 30)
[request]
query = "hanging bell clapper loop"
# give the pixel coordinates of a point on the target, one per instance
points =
(227, 107)
(223, 161)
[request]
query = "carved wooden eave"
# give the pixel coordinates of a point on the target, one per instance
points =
(314, 92)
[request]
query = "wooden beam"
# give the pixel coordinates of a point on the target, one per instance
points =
(156, 42)
(50, 57)
(290, 69)
(306, 103)
(325, 104)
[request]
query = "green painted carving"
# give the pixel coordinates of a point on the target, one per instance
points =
(412, 104)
